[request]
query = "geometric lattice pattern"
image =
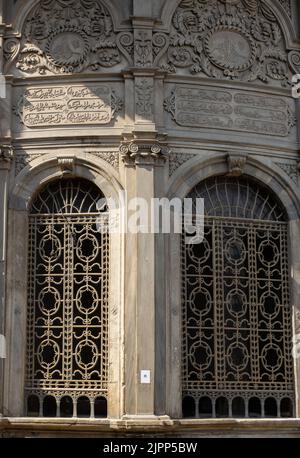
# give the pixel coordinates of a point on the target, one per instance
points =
(237, 318)
(67, 352)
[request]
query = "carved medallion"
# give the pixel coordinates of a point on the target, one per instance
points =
(67, 48)
(232, 39)
(229, 49)
(66, 36)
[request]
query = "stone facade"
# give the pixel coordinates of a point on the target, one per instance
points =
(152, 99)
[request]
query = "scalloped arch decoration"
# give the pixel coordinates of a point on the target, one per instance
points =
(65, 36)
(237, 39)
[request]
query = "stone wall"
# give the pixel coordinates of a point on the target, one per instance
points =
(151, 98)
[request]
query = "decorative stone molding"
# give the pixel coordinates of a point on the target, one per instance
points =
(287, 6)
(6, 156)
(178, 159)
(144, 97)
(67, 165)
(134, 153)
(294, 60)
(143, 55)
(143, 48)
(238, 40)
(297, 321)
(227, 109)
(22, 160)
(64, 37)
(111, 158)
(292, 170)
(236, 164)
(6, 153)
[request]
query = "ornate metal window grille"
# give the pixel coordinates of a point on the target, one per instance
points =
(67, 328)
(236, 314)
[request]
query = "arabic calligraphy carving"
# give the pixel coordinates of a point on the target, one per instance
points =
(68, 105)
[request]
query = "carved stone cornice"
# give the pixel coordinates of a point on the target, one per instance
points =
(6, 156)
(143, 152)
(236, 164)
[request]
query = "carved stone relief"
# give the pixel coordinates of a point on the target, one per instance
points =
(287, 6)
(133, 153)
(143, 48)
(111, 158)
(89, 104)
(66, 36)
(144, 97)
(237, 39)
(22, 160)
(6, 153)
(176, 160)
(292, 170)
(236, 164)
(225, 109)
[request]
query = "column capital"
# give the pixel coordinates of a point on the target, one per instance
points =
(6, 156)
(144, 152)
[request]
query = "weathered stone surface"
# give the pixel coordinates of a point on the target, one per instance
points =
(150, 98)
(68, 105)
(240, 111)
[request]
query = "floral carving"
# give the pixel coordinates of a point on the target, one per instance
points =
(291, 170)
(240, 39)
(66, 36)
(110, 158)
(144, 97)
(176, 160)
(143, 48)
(22, 160)
(287, 6)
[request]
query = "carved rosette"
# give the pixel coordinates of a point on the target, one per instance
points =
(66, 36)
(134, 153)
(240, 39)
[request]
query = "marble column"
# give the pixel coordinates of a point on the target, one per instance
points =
(143, 163)
(5, 160)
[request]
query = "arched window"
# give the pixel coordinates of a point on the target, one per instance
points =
(67, 329)
(236, 312)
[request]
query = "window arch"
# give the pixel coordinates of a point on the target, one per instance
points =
(67, 318)
(236, 312)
